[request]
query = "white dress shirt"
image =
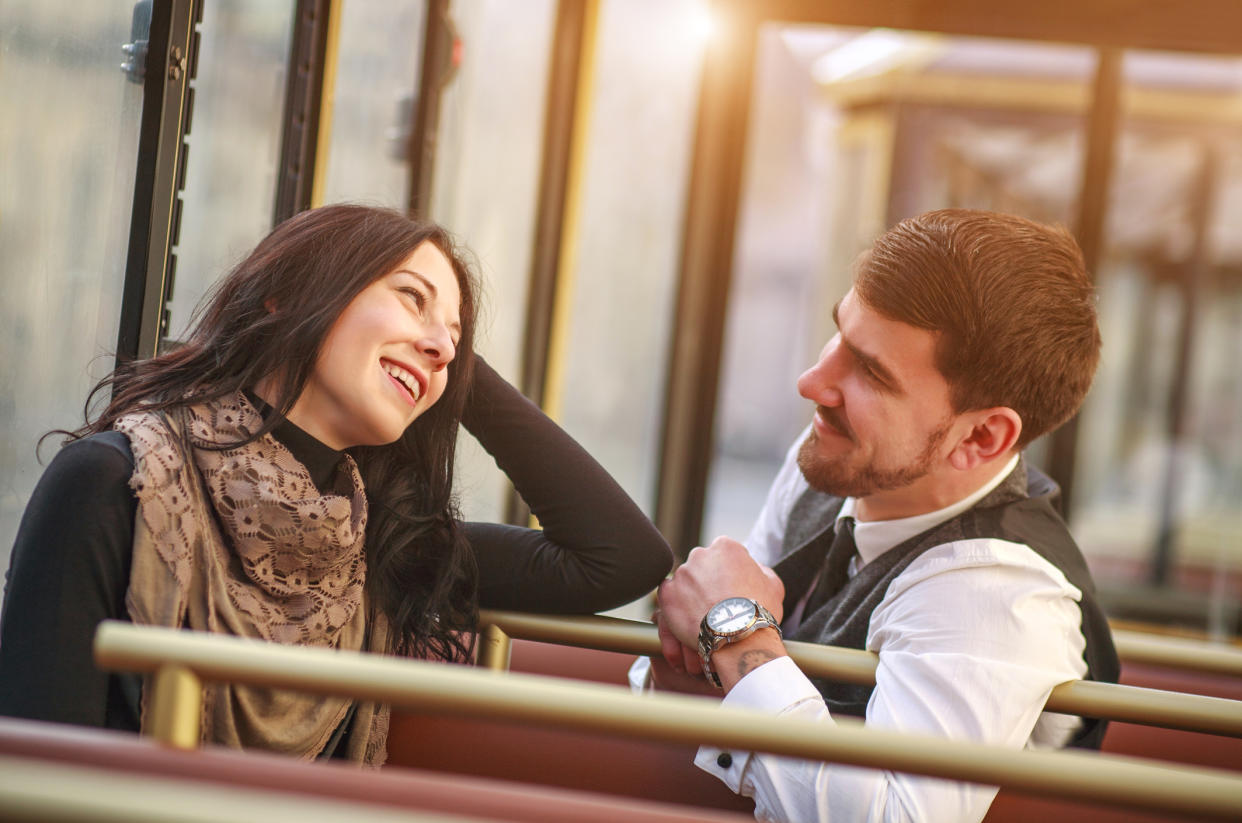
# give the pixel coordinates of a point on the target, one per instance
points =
(971, 638)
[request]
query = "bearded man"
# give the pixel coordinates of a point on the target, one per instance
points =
(905, 521)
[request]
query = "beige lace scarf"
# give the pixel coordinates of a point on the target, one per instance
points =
(241, 542)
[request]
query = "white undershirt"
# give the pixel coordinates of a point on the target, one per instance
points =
(971, 638)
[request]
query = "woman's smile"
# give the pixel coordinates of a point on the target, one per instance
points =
(406, 379)
(384, 361)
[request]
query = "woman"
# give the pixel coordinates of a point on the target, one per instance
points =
(287, 474)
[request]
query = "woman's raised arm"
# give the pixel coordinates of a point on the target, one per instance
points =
(597, 549)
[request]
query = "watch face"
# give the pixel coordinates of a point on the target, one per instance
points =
(731, 615)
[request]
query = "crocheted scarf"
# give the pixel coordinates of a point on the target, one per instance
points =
(239, 541)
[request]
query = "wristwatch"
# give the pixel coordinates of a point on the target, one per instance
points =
(728, 622)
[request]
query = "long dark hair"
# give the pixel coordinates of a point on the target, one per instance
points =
(270, 316)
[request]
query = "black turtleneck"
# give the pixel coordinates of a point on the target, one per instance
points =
(319, 458)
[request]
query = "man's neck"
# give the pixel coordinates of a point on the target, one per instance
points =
(931, 492)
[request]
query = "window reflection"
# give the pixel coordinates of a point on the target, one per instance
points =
(233, 144)
(379, 55)
(1160, 458)
(485, 188)
(623, 283)
(68, 145)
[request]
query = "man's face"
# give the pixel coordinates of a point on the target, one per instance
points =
(883, 411)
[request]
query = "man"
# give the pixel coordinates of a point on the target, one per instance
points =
(906, 522)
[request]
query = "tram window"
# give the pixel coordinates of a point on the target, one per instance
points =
(379, 56)
(852, 130)
(69, 121)
(1159, 474)
(485, 188)
(233, 144)
(614, 337)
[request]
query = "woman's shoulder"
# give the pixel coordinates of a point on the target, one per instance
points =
(82, 498)
(109, 449)
(98, 460)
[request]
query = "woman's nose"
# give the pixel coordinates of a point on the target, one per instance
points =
(436, 344)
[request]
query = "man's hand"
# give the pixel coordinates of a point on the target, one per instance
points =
(709, 575)
(664, 678)
(681, 659)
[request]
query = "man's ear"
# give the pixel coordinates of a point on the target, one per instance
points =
(270, 305)
(993, 433)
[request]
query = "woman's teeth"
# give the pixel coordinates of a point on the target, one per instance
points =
(404, 377)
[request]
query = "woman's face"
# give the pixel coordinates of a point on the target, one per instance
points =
(385, 359)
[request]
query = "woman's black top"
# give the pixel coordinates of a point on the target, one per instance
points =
(71, 559)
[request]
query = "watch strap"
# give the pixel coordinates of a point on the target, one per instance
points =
(710, 641)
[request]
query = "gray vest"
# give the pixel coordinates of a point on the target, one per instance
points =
(1022, 509)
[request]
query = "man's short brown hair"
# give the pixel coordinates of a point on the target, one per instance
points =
(1010, 300)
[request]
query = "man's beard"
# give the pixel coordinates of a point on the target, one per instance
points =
(836, 476)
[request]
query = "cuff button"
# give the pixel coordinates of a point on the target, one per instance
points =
(724, 760)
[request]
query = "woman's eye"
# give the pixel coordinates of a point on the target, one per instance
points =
(416, 295)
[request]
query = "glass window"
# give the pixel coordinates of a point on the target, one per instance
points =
(1159, 483)
(486, 186)
(69, 121)
(379, 56)
(233, 145)
(623, 282)
(851, 131)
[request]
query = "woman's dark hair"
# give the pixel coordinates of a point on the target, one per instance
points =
(270, 317)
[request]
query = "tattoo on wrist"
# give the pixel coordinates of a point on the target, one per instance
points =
(753, 659)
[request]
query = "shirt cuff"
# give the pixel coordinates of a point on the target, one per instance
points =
(640, 675)
(775, 688)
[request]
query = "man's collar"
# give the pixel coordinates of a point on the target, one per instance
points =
(874, 537)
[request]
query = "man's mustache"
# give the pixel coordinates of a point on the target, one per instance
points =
(836, 420)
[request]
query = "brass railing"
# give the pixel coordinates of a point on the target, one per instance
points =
(1178, 652)
(561, 703)
(1130, 704)
(40, 791)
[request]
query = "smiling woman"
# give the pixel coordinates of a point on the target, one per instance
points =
(287, 475)
(385, 360)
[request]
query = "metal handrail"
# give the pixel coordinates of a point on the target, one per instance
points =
(34, 791)
(556, 702)
(1204, 656)
(1111, 701)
